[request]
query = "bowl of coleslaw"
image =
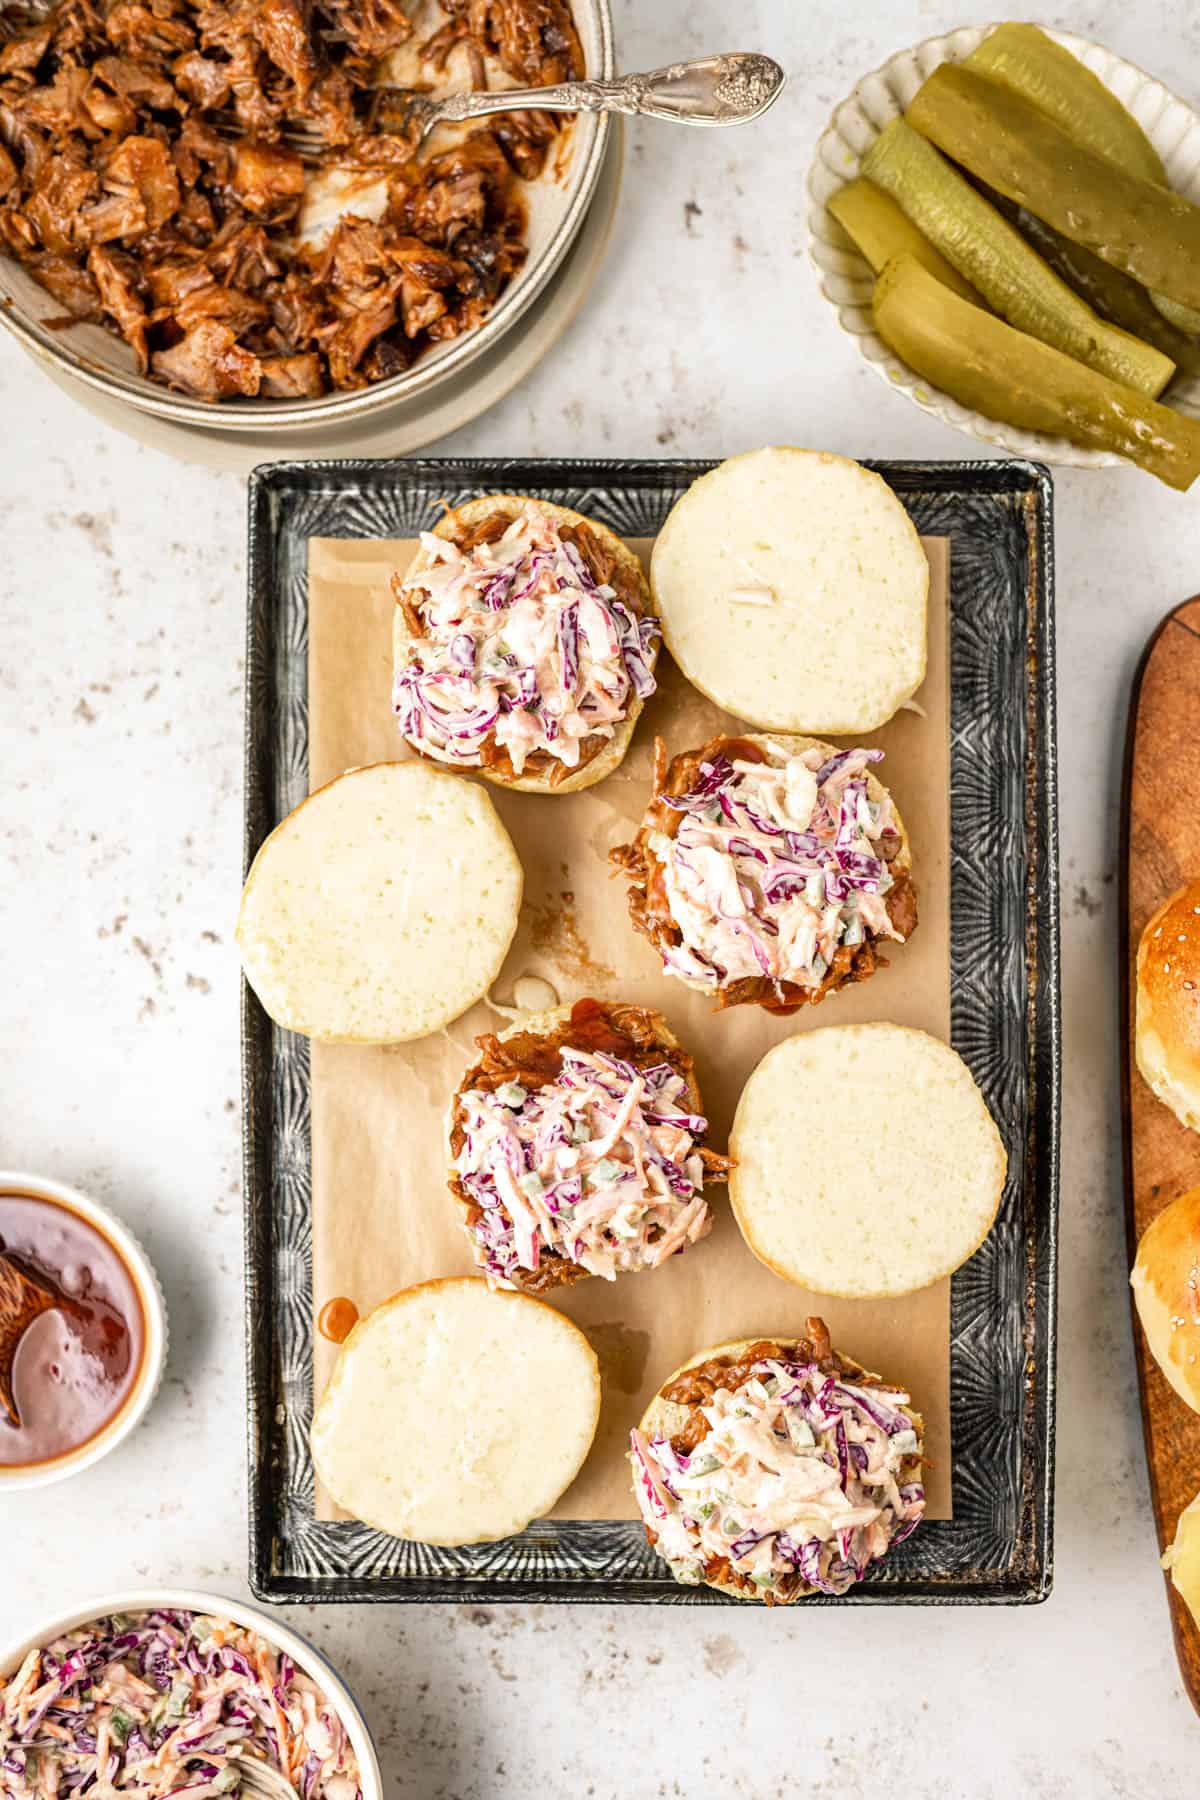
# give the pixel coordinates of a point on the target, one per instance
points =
(169, 1691)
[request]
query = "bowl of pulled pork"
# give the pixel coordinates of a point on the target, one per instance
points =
(166, 237)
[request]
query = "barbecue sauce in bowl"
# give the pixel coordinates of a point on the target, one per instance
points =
(78, 1363)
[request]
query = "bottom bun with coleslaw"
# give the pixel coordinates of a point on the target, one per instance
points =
(767, 869)
(524, 644)
(776, 1468)
(577, 1147)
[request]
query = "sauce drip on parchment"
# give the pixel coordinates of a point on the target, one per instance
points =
(337, 1319)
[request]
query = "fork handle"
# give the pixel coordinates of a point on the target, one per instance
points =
(714, 90)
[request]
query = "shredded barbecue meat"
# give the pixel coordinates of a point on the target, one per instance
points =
(535, 1060)
(144, 181)
(650, 911)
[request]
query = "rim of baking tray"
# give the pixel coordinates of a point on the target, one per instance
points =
(255, 415)
(845, 281)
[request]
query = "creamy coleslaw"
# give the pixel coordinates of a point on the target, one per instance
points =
(166, 1703)
(802, 1473)
(600, 1166)
(520, 645)
(776, 865)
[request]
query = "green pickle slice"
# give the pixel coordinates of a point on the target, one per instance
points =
(1006, 140)
(985, 364)
(1184, 318)
(989, 253)
(881, 230)
(1023, 58)
(1114, 296)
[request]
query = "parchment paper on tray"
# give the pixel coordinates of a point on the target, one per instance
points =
(382, 1216)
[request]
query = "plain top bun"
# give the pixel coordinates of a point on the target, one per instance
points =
(1166, 1291)
(1167, 1032)
(451, 525)
(866, 1162)
(792, 589)
(382, 907)
(456, 1415)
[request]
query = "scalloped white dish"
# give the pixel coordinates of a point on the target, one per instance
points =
(847, 282)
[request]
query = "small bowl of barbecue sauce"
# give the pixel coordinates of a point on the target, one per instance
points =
(83, 1331)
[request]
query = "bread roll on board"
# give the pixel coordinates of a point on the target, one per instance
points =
(1166, 1292)
(1160, 854)
(1167, 1030)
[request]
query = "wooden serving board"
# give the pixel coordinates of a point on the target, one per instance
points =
(1161, 851)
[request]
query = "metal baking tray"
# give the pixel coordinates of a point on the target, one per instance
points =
(998, 515)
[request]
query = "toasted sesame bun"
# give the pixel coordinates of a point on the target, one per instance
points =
(1166, 1290)
(456, 1415)
(554, 1271)
(866, 1161)
(667, 1418)
(1167, 1029)
(382, 907)
(461, 518)
(792, 589)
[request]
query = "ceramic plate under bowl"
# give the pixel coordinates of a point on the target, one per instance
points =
(847, 282)
(302, 1653)
(557, 203)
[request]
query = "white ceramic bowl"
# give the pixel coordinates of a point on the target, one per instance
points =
(154, 1311)
(302, 1653)
(847, 282)
(557, 204)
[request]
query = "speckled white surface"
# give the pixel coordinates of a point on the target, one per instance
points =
(121, 598)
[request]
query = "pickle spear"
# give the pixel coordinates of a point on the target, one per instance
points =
(1023, 58)
(1143, 229)
(1184, 318)
(996, 260)
(983, 363)
(1114, 296)
(881, 230)
(1026, 60)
